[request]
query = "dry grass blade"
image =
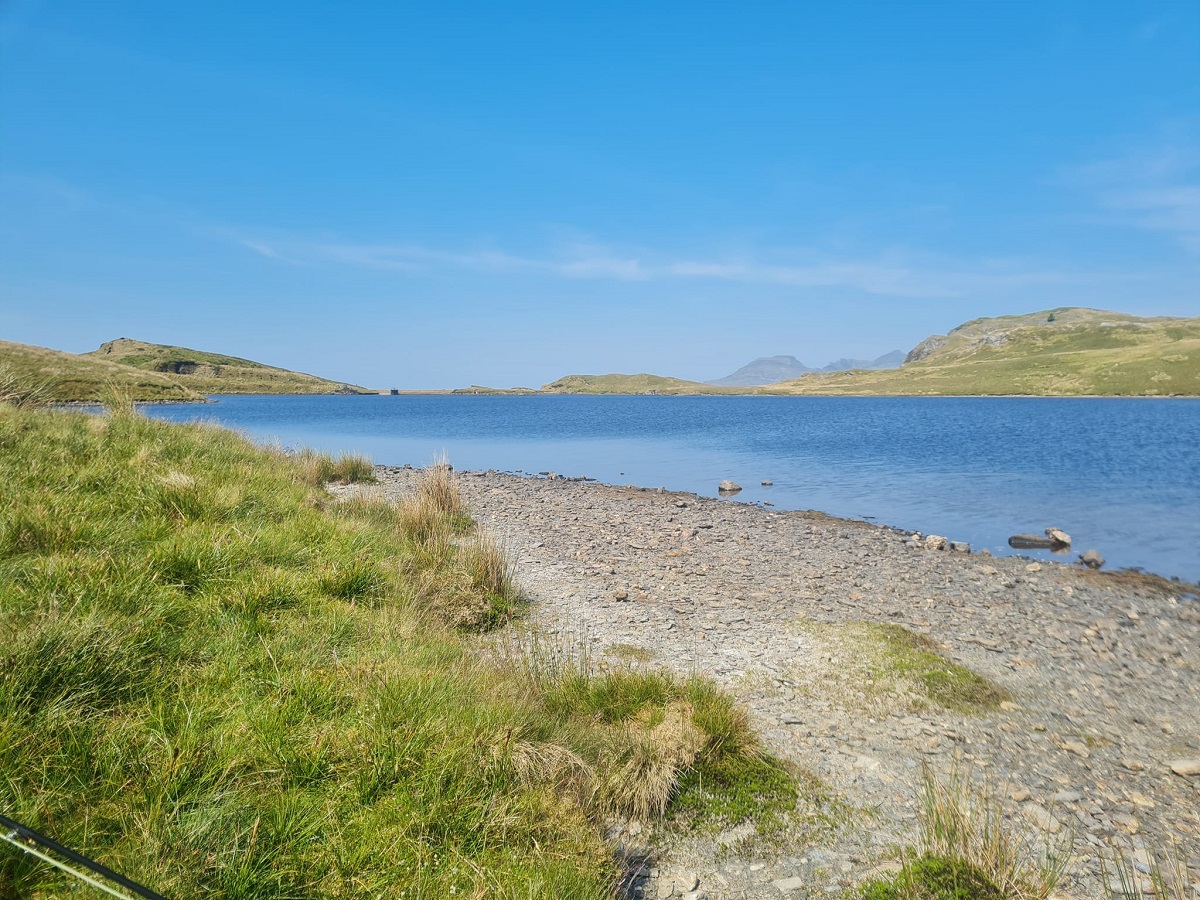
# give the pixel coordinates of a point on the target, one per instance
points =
(437, 486)
(1159, 878)
(959, 820)
(22, 393)
(656, 758)
(491, 568)
(421, 521)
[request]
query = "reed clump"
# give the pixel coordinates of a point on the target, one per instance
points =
(1158, 875)
(221, 683)
(970, 848)
(317, 468)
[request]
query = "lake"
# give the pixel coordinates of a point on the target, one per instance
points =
(1119, 475)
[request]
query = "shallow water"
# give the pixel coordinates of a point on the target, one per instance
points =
(1122, 476)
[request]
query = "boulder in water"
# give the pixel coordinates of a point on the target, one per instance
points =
(1030, 542)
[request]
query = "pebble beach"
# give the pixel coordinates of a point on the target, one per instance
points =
(1097, 743)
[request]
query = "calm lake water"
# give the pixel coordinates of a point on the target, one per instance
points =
(1122, 476)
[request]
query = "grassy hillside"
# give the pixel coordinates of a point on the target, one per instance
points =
(631, 384)
(221, 682)
(68, 377)
(1065, 351)
(213, 373)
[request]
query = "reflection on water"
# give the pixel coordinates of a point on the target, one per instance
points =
(1119, 475)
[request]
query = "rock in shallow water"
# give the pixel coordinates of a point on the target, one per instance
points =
(1092, 559)
(729, 487)
(1030, 542)
(1058, 538)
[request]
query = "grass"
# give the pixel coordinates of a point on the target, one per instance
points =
(66, 377)
(1161, 877)
(318, 469)
(23, 392)
(869, 666)
(680, 747)
(216, 373)
(220, 681)
(946, 683)
(1079, 352)
(969, 850)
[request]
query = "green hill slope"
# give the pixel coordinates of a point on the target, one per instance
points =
(1061, 352)
(69, 377)
(630, 384)
(214, 373)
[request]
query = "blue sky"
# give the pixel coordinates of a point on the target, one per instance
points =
(433, 195)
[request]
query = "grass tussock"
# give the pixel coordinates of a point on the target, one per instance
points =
(220, 683)
(469, 578)
(971, 850)
(437, 489)
(1158, 876)
(318, 469)
(662, 745)
(24, 392)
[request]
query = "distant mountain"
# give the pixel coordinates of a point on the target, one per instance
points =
(887, 361)
(215, 373)
(772, 369)
(765, 370)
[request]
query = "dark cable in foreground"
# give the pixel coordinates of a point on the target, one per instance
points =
(16, 834)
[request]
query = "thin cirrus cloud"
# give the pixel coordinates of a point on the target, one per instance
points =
(888, 275)
(1155, 190)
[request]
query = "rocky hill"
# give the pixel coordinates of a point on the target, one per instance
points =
(1066, 351)
(215, 373)
(68, 377)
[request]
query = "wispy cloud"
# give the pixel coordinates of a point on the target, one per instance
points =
(1155, 189)
(894, 273)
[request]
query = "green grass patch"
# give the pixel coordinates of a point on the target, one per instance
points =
(686, 749)
(971, 849)
(217, 679)
(880, 667)
(948, 684)
(931, 877)
(630, 653)
(732, 791)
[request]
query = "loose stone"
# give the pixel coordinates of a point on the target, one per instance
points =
(1185, 767)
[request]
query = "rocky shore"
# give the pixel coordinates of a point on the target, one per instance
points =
(1102, 672)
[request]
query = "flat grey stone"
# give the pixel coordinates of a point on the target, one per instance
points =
(787, 885)
(1185, 767)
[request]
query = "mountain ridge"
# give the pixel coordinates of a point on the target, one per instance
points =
(773, 369)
